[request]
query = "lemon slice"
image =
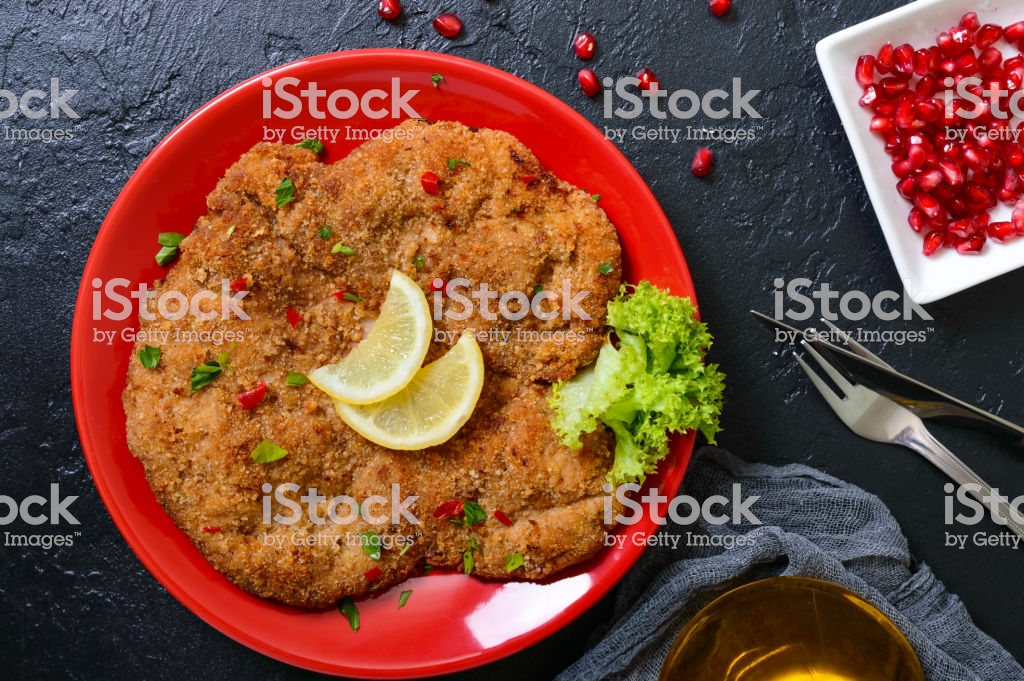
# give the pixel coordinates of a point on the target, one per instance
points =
(386, 360)
(437, 402)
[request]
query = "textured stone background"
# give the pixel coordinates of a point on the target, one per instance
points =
(789, 204)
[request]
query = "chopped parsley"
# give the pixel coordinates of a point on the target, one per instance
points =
(537, 289)
(266, 451)
(169, 242)
(313, 144)
(343, 249)
(596, 197)
(473, 513)
(371, 544)
(404, 550)
(223, 358)
(474, 545)
(351, 297)
(605, 268)
(467, 561)
(436, 79)
(513, 561)
(325, 232)
(347, 608)
(204, 374)
(285, 192)
(427, 569)
(453, 162)
(418, 263)
(231, 230)
(404, 598)
(296, 379)
(149, 356)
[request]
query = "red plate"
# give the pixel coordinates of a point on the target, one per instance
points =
(452, 622)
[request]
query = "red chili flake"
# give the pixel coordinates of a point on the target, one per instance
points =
(449, 509)
(211, 529)
(239, 285)
(373, 574)
(430, 183)
(340, 295)
(500, 516)
(250, 398)
(294, 317)
(527, 179)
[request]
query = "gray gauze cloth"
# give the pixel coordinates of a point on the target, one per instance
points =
(813, 526)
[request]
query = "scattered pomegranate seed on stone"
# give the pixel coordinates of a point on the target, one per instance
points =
(701, 164)
(720, 7)
(589, 82)
(389, 9)
(648, 81)
(584, 45)
(448, 24)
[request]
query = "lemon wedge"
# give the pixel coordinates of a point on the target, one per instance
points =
(437, 402)
(387, 359)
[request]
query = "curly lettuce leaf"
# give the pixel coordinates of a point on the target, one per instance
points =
(654, 383)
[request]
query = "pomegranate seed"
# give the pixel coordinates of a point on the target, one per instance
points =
(933, 242)
(903, 59)
(883, 62)
(1017, 216)
(962, 38)
(928, 110)
(928, 205)
(929, 179)
(373, 574)
(584, 45)
(865, 70)
(963, 227)
(902, 168)
(971, 245)
(881, 124)
(589, 82)
(922, 60)
(648, 81)
(967, 64)
(970, 21)
(988, 35)
(389, 9)
(989, 59)
(1014, 32)
(905, 115)
(916, 219)
(953, 173)
(430, 183)
(908, 189)
(720, 7)
(701, 164)
(927, 86)
(502, 518)
(448, 24)
(893, 86)
(293, 317)
(869, 96)
(1014, 158)
(1001, 231)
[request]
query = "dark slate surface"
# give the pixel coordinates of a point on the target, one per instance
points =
(789, 204)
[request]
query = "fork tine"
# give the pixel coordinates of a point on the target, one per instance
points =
(855, 347)
(834, 401)
(839, 379)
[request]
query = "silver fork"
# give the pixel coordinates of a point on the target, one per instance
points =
(878, 418)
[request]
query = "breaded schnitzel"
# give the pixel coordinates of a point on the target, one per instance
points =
(498, 219)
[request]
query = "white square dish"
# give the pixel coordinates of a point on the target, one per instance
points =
(926, 278)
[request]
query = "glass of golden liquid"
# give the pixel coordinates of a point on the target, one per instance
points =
(790, 629)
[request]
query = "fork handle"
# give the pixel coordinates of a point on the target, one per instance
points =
(924, 443)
